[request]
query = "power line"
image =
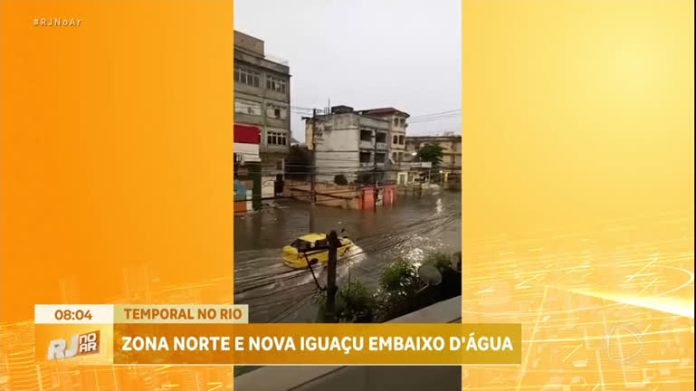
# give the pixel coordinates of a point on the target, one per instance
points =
(431, 119)
(413, 117)
(435, 114)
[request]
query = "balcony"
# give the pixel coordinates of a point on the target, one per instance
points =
(365, 144)
(416, 165)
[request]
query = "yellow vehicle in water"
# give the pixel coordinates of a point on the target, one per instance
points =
(312, 248)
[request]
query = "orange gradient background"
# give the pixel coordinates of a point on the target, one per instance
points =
(116, 148)
(575, 112)
(578, 154)
(116, 171)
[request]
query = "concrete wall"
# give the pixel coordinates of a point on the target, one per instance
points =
(340, 196)
(347, 197)
(339, 133)
(330, 164)
(254, 60)
(248, 43)
(337, 148)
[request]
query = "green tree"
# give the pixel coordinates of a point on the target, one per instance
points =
(355, 303)
(340, 179)
(398, 286)
(431, 153)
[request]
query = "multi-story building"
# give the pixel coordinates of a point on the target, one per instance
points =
(397, 130)
(352, 143)
(451, 162)
(247, 168)
(262, 99)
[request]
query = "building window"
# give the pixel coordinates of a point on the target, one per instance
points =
(379, 157)
(395, 139)
(276, 138)
(396, 121)
(276, 84)
(365, 157)
(242, 106)
(401, 140)
(365, 135)
(381, 137)
(245, 76)
(277, 112)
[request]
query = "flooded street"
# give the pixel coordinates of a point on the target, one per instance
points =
(274, 292)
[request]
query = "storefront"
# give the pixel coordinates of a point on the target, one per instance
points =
(247, 168)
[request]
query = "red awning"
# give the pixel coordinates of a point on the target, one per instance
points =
(247, 134)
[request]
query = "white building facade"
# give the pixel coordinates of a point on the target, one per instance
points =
(351, 144)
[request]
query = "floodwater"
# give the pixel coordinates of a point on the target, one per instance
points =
(413, 227)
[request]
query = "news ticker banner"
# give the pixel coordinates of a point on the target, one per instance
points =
(221, 334)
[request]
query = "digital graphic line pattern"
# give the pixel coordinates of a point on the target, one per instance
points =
(602, 309)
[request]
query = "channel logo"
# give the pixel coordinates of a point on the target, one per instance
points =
(81, 344)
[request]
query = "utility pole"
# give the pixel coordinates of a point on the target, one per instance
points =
(313, 192)
(374, 175)
(314, 158)
(331, 289)
(312, 169)
(420, 172)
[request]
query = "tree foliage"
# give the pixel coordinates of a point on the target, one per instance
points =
(355, 303)
(298, 163)
(401, 290)
(431, 153)
(340, 179)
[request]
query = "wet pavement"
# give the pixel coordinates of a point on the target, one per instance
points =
(413, 227)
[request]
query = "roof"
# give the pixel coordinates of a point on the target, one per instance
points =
(434, 137)
(248, 43)
(383, 111)
(313, 237)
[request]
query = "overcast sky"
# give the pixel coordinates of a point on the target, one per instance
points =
(365, 54)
